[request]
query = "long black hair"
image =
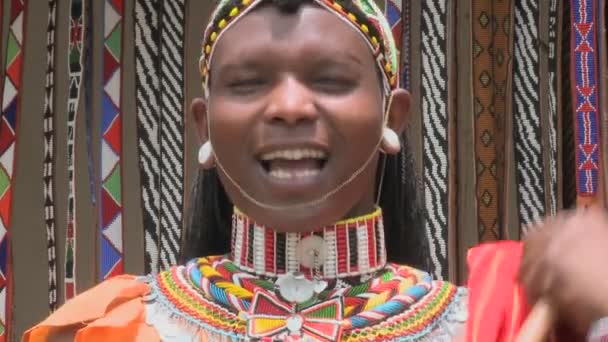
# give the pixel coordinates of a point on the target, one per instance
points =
(208, 228)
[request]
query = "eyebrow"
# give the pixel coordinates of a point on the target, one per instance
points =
(324, 59)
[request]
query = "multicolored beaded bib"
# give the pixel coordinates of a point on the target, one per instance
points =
(261, 291)
(213, 295)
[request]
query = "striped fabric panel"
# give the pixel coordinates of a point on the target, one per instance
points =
(171, 134)
(435, 128)
(49, 154)
(553, 114)
(526, 109)
(568, 143)
(159, 55)
(147, 95)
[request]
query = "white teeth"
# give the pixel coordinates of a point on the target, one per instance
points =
(295, 154)
(285, 174)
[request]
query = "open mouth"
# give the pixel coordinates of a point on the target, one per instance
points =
(294, 163)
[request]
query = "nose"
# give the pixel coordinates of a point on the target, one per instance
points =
(291, 103)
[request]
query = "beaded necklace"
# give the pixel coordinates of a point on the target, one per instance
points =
(210, 294)
(217, 295)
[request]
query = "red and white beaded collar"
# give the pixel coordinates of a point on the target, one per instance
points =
(348, 248)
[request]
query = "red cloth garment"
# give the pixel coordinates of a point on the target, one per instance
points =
(497, 304)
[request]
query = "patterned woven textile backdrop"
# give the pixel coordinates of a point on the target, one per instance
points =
(98, 154)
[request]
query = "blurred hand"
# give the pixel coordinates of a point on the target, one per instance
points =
(566, 263)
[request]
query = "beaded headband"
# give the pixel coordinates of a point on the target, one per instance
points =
(362, 15)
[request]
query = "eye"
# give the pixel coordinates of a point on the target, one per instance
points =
(335, 84)
(247, 85)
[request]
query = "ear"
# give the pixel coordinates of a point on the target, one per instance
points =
(398, 112)
(198, 108)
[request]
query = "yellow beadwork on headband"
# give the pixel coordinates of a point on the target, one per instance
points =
(362, 15)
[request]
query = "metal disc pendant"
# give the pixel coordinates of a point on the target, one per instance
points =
(294, 324)
(311, 251)
(294, 287)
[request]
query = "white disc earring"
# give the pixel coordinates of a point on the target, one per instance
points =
(205, 155)
(390, 141)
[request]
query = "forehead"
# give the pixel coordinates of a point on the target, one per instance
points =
(312, 30)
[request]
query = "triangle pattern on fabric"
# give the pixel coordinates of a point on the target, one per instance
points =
(113, 135)
(110, 64)
(7, 161)
(5, 181)
(17, 27)
(113, 185)
(113, 232)
(109, 209)
(110, 112)
(112, 87)
(111, 18)
(3, 303)
(4, 256)
(109, 257)
(16, 9)
(14, 70)
(12, 48)
(5, 206)
(113, 42)
(118, 5)
(10, 92)
(7, 136)
(109, 159)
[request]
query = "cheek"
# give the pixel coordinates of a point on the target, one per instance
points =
(228, 125)
(359, 119)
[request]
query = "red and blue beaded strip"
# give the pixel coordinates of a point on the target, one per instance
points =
(585, 94)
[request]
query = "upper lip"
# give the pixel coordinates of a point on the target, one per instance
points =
(291, 145)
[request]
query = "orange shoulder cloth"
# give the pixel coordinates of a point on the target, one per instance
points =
(111, 311)
(497, 305)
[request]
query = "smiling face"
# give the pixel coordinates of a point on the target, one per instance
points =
(294, 109)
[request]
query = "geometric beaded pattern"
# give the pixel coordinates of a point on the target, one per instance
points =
(412, 309)
(11, 107)
(585, 94)
(111, 210)
(49, 155)
(75, 78)
(352, 247)
(363, 15)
